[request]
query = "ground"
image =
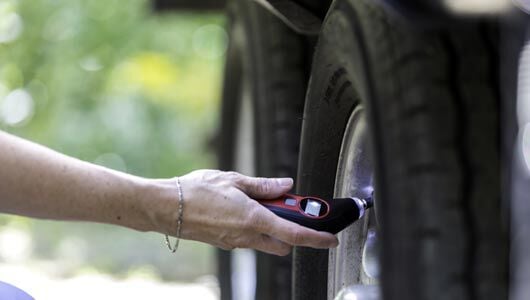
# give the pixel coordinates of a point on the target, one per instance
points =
(95, 285)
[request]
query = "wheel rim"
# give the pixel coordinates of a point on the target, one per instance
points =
(355, 261)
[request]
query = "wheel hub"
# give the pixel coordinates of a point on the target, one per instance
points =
(355, 261)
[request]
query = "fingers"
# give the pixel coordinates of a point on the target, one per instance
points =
(263, 188)
(270, 245)
(260, 242)
(291, 233)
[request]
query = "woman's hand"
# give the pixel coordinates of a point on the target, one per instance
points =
(219, 209)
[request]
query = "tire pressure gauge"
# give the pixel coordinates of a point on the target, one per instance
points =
(319, 214)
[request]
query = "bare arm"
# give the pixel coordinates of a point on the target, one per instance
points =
(38, 182)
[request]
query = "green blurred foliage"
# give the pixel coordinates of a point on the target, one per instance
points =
(112, 82)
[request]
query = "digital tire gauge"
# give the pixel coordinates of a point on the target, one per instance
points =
(331, 216)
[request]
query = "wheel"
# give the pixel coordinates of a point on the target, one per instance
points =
(517, 138)
(414, 116)
(264, 90)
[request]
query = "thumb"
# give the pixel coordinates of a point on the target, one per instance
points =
(265, 188)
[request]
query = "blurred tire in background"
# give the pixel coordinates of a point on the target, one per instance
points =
(265, 80)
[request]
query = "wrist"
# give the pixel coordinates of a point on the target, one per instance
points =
(159, 202)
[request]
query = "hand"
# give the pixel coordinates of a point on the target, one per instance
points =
(219, 210)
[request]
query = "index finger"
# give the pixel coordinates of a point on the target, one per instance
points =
(291, 233)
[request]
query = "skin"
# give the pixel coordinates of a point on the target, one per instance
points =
(219, 207)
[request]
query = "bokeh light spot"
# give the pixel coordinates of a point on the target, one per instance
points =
(72, 251)
(210, 41)
(90, 64)
(63, 25)
(10, 27)
(15, 245)
(17, 108)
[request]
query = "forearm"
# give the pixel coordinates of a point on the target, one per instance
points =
(38, 182)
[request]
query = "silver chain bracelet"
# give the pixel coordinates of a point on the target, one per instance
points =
(179, 219)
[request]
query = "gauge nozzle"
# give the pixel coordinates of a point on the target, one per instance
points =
(331, 215)
(369, 202)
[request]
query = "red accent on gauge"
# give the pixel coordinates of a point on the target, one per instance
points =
(298, 204)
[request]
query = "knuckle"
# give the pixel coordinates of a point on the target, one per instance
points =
(254, 217)
(242, 243)
(206, 177)
(223, 179)
(223, 239)
(263, 186)
(227, 243)
(296, 237)
(267, 185)
(232, 176)
(284, 251)
(222, 244)
(239, 241)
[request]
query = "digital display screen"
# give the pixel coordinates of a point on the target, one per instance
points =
(290, 202)
(313, 208)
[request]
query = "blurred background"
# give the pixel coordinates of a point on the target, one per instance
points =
(110, 82)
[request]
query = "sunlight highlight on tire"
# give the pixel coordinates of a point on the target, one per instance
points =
(523, 105)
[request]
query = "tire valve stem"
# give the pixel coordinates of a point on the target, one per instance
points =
(319, 214)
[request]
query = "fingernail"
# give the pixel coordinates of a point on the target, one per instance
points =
(285, 181)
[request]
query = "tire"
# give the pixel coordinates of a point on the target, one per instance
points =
(516, 78)
(270, 59)
(431, 103)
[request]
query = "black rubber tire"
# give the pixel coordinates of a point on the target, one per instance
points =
(432, 103)
(226, 144)
(274, 59)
